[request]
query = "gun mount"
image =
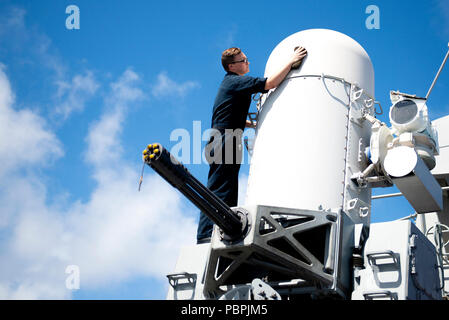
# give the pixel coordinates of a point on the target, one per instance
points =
(268, 250)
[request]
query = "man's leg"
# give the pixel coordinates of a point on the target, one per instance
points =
(223, 182)
(205, 225)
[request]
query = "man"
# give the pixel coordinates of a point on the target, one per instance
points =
(229, 119)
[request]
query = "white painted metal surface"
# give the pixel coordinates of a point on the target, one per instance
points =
(400, 263)
(191, 261)
(329, 52)
(408, 115)
(410, 174)
(400, 161)
(308, 140)
(442, 160)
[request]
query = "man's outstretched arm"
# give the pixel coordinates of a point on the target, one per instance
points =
(274, 80)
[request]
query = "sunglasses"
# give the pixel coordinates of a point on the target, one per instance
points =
(244, 61)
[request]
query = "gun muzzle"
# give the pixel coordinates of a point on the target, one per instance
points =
(169, 168)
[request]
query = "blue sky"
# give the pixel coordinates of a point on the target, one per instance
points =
(77, 107)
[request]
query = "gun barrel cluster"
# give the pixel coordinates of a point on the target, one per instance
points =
(169, 168)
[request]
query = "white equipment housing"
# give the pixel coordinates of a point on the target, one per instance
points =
(410, 174)
(310, 131)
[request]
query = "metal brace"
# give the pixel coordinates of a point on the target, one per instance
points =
(371, 295)
(175, 280)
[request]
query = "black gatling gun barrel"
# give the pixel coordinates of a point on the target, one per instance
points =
(169, 168)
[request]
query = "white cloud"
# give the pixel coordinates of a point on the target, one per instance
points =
(124, 90)
(29, 232)
(119, 233)
(229, 40)
(226, 38)
(103, 138)
(165, 86)
(131, 232)
(125, 232)
(443, 7)
(24, 139)
(16, 17)
(72, 95)
(12, 19)
(27, 43)
(35, 49)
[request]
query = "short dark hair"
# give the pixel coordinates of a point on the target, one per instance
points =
(228, 56)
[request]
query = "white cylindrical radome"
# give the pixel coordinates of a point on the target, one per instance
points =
(300, 157)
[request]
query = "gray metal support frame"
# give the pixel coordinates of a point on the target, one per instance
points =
(282, 245)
